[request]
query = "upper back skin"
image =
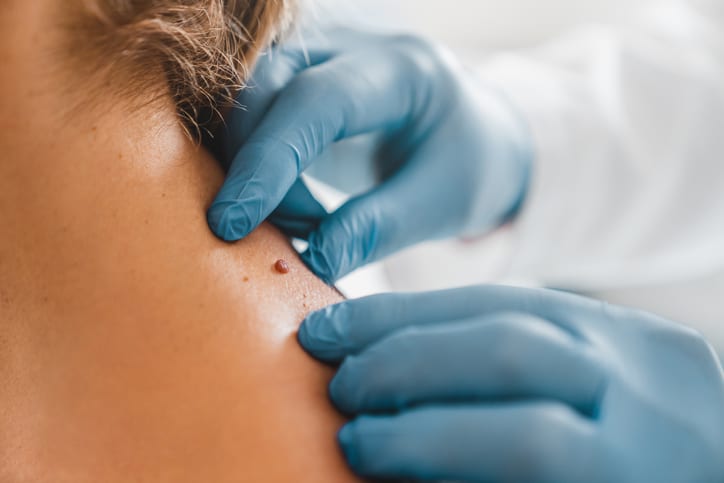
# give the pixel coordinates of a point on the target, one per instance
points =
(134, 346)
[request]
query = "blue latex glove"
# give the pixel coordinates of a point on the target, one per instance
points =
(453, 158)
(516, 385)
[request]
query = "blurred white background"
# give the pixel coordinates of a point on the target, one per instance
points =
(470, 25)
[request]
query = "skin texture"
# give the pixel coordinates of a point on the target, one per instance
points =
(134, 345)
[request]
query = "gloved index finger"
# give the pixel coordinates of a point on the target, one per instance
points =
(273, 71)
(343, 97)
(349, 327)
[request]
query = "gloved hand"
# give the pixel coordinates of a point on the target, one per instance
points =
(454, 156)
(516, 385)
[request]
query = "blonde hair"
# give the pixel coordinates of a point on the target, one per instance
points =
(204, 48)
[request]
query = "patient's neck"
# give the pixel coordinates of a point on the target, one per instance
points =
(68, 178)
(57, 167)
(59, 132)
(88, 178)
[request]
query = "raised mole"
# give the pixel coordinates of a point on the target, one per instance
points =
(281, 266)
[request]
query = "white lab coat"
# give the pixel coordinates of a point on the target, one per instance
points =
(627, 194)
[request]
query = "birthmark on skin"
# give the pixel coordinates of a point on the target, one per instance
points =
(246, 279)
(281, 266)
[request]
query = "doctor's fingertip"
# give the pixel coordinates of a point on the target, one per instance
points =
(305, 340)
(346, 439)
(317, 261)
(226, 221)
(321, 338)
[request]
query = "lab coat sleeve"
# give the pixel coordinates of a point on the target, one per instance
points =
(627, 186)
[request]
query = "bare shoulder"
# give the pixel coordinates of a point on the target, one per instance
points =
(155, 352)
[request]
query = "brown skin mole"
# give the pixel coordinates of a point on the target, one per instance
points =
(281, 266)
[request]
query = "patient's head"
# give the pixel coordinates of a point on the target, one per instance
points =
(198, 52)
(203, 48)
